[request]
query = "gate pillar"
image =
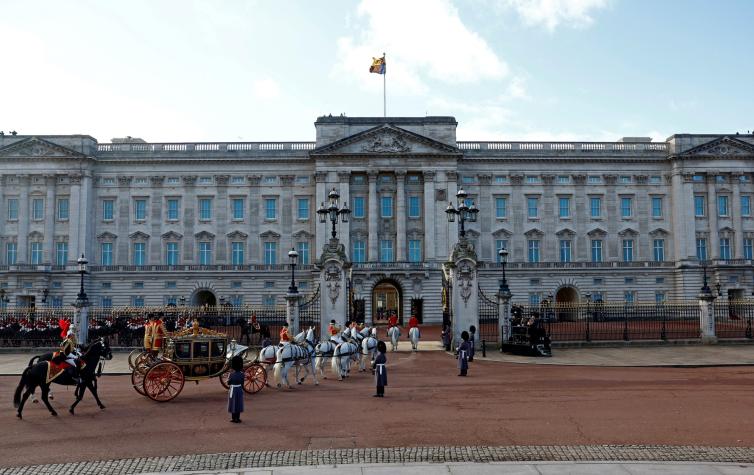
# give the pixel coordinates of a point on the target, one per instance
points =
(81, 320)
(504, 305)
(333, 266)
(291, 313)
(465, 289)
(707, 315)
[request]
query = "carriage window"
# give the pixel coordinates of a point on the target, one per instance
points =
(183, 350)
(218, 348)
(201, 349)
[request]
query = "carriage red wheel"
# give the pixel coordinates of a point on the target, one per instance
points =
(163, 382)
(255, 378)
(224, 379)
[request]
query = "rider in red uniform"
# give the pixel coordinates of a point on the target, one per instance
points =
(413, 322)
(392, 321)
(284, 337)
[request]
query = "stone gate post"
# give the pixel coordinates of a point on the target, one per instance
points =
(333, 267)
(81, 320)
(291, 313)
(504, 310)
(707, 316)
(465, 297)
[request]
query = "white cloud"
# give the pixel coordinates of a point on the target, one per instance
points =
(423, 39)
(551, 13)
(265, 89)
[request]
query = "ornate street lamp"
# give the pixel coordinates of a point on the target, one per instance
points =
(503, 253)
(293, 258)
(705, 287)
(82, 262)
(465, 212)
(333, 212)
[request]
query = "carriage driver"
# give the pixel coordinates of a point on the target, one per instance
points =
(333, 330)
(148, 332)
(158, 333)
(284, 336)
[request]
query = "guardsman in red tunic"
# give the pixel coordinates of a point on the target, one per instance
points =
(284, 337)
(148, 332)
(334, 332)
(413, 322)
(158, 333)
(392, 321)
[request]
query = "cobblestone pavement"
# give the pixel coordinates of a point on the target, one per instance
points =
(397, 455)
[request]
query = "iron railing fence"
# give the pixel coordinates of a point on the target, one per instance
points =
(489, 318)
(310, 313)
(32, 327)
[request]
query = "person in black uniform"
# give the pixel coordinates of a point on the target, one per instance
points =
(463, 354)
(380, 369)
(235, 390)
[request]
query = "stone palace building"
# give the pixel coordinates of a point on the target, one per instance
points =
(209, 222)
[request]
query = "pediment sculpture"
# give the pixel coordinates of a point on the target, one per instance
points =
(386, 142)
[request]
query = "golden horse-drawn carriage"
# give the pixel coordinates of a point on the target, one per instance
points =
(192, 354)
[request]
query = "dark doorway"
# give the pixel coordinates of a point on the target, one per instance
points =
(204, 297)
(417, 309)
(386, 301)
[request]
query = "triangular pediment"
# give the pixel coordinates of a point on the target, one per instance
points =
(386, 140)
(172, 236)
(36, 148)
(721, 147)
(597, 232)
(107, 236)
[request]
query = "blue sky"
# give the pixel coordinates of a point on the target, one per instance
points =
(264, 70)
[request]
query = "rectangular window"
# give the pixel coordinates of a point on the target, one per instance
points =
(722, 206)
(303, 252)
(414, 250)
(387, 206)
(386, 250)
(358, 206)
(237, 251)
(659, 297)
(270, 253)
(61, 253)
(10, 253)
(304, 180)
(205, 209)
(748, 248)
(106, 253)
(173, 213)
(107, 302)
(500, 244)
(36, 253)
(596, 250)
(564, 207)
(532, 207)
(303, 208)
(628, 250)
(564, 179)
(137, 301)
(268, 300)
(499, 179)
(594, 179)
(171, 284)
(138, 285)
(237, 180)
(237, 209)
(414, 207)
(701, 249)
(270, 180)
(12, 209)
(534, 299)
(205, 253)
(625, 179)
(625, 207)
(468, 180)
(359, 254)
(270, 208)
(628, 296)
(532, 180)
(171, 254)
(37, 209)
(725, 248)
(108, 207)
(658, 250)
(533, 250)
(699, 205)
(57, 302)
(595, 207)
(140, 210)
(655, 179)
(140, 254)
(745, 205)
(657, 207)
(63, 209)
(501, 207)
(236, 284)
(565, 250)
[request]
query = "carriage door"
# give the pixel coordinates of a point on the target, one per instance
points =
(417, 307)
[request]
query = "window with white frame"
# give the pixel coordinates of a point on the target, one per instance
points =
(564, 179)
(11, 253)
(237, 180)
(387, 206)
(205, 180)
(565, 250)
(628, 250)
(205, 209)
(137, 301)
(205, 253)
(745, 205)
(37, 209)
(629, 296)
(722, 206)
(270, 208)
(500, 244)
(108, 208)
(596, 250)
(414, 250)
(171, 253)
(564, 207)
(302, 208)
(173, 180)
(501, 180)
(725, 248)
(63, 209)
(660, 297)
(61, 253)
(302, 180)
(140, 209)
(701, 249)
(595, 207)
(748, 248)
(12, 209)
(532, 180)
(386, 250)
(237, 208)
(534, 298)
(36, 253)
(139, 254)
(106, 253)
(533, 250)
(626, 205)
(658, 250)
(657, 207)
(532, 207)
(270, 253)
(359, 251)
(270, 180)
(237, 253)
(699, 205)
(358, 207)
(106, 302)
(594, 179)
(303, 252)
(173, 209)
(414, 207)
(655, 180)
(625, 179)
(501, 207)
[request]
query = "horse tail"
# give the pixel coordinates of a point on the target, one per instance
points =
(31, 361)
(20, 389)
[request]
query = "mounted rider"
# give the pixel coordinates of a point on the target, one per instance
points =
(413, 322)
(334, 331)
(392, 322)
(68, 349)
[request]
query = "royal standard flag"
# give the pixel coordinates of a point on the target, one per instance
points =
(378, 66)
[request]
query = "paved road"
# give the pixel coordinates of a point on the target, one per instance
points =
(426, 404)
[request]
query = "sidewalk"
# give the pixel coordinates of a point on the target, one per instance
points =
(511, 468)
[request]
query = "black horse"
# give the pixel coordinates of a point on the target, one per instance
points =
(36, 375)
(248, 330)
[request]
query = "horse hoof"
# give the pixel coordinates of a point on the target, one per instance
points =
(316, 383)
(54, 414)
(19, 416)
(102, 408)
(299, 382)
(279, 386)
(71, 411)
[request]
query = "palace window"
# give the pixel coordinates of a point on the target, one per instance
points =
(11, 255)
(564, 207)
(745, 205)
(564, 179)
(205, 180)
(657, 207)
(237, 206)
(270, 180)
(106, 302)
(36, 253)
(358, 207)
(532, 205)
(748, 248)
(359, 254)
(658, 250)
(701, 249)
(270, 253)
(596, 250)
(655, 179)
(533, 250)
(501, 180)
(171, 254)
(12, 209)
(500, 244)
(414, 250)
(270, 208)
(387, 206)
(699, 205)
(238, 180)
(302, 180)
(594, 179)
(108, 207)
(63, 209)
(501, 207)
(532, 180)
(171, 284)
(37, 209)
(303, 252)
(659, 297)
(140, 254)
(173, 180)
(724, 248)
(205, 209)
(629, 296)
(628, 250)
(140, 209)
(61, 253)
(625, 179)
(722, 206)
(137, 301)
(303, 208)
(414, 207)
(173, 206)
(386, 251)
(205, 253)
(565, 250)
(595, 207)
(237, 253)
(625, 207)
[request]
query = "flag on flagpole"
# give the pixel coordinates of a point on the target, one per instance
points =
(378, 65)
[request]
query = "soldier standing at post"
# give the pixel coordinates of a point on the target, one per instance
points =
(380, 369)
(463, 354)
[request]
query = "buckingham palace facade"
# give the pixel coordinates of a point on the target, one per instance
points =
(203, 222)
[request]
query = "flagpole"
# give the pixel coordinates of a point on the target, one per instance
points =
(384, 86)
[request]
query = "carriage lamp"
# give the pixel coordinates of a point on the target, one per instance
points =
(465, 212)
(82, 262)
(333, 212)
(503, 253)
(293, 257)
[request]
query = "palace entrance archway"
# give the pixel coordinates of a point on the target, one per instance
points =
(566, 299)
(386, 300)
(203, 297)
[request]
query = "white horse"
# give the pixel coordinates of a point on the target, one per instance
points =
(413, 335)
(268, 357)
(343, 355)
(394, 333)
(322, 351)
(368, 349)
(299, 354)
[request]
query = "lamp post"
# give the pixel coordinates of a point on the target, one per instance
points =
(293, 258)
(333, 212)
(719, 289)
(503, 253)
(82, 262)
(82, 303)
(705, 287)
(464, 212)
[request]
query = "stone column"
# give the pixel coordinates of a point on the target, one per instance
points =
(373, 216)
(81, 320)
(190, 215)
(333, 265)
(156, 219)
(344, 234)
(707, 316)
(86, 225)
(50, 218)
(581, 213)
(320, 197)
(612, 248)
(504, 311)
(24, 214)
(682, 228)
(735, 212)
(255, 218)
(286, 213)
(429, 215)
(221, 223)
(487, 206)
(291, 312)
(3, 209)
(714, 239)
(465, 296)
(400, 211)
(549, 220)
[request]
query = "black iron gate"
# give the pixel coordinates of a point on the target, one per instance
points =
(447, 304)
(310, 314)
(489, 318)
